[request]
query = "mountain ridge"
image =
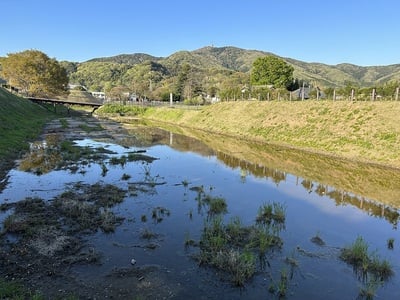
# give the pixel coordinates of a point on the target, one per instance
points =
(241, 60)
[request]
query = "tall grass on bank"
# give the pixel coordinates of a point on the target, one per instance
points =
(366, 131)
(20, 121)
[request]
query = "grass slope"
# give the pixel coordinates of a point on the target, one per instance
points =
(20, 121)
(363, 131)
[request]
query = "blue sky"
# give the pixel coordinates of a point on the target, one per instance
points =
(362, 32)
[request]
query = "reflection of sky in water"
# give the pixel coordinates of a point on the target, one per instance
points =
(308, 213)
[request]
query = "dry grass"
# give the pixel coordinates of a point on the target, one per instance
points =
(265, 122)
(365, 131)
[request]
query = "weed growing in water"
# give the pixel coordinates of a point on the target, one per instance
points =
(390, 243)
(216, 205)
(188, 241)
(159, 213)
(283, 284)
(148, 234)
(108, 221)
(125, 177)
(104, 169)
(271, 213)
(118, 160)
(136, 156)
(240, 265)
(318, 240)
(368, 290)
(366, 264)
(231, 247)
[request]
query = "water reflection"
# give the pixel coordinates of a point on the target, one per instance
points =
(373, 189)
(162, 198)
(340, 197)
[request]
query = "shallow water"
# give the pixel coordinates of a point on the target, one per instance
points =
(312, 208)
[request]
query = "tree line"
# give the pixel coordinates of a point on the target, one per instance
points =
(270, 78)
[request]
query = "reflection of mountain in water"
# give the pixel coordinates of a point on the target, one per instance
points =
(340, 197)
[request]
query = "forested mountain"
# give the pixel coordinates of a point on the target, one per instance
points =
(210, 70)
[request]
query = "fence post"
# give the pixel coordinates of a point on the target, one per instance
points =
(397, 94)
(334, 94)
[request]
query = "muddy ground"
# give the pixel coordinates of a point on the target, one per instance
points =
(40, 240)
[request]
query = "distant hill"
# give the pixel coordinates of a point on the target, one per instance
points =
(209, 70)
(130, 59)
(241, 60)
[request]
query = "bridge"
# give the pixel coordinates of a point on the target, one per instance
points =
(67, 103)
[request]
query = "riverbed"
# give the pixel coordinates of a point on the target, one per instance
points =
(147, 212)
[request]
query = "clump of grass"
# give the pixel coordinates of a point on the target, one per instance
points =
(280, 288)
(148, 234)
(216, 205)
(104, 169)
(90, 128)
(135, 156)
(143, 218)
(125, 177)
(283, 283)
(390, 243)
(240, 265)
(159, 213)
(270, 213)
(318, 240)
(15, 290)
(87, 206)
(368, 291)
(365, 263)
(108, 221)
(118, 160)
(232, 248)
(64, 123)
(189, 241)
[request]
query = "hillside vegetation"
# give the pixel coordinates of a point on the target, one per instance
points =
(362, 131)
(212, 69)
(20, 121)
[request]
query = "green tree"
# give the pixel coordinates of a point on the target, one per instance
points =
(271, 70)
(182, 81)
(35, 74)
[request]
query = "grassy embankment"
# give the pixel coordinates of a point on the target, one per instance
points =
(362, 131)
(20, 121)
